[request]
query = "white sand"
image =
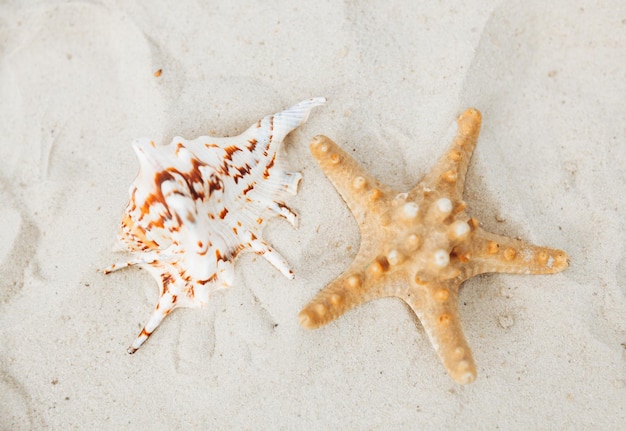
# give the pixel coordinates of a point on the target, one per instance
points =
(77, 85)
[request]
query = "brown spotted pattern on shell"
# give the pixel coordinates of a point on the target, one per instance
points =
(420, 246)
(197, 204)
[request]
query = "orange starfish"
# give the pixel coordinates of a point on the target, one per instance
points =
(420, 246)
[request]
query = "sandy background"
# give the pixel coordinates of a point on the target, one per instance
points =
(77, 85)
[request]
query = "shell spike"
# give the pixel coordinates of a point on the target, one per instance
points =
(299, 112)
(149, 158)
(284, 211)
(166, 304)
(146, 260)
(121, 265)
(292, 181)
(285, 121)
(261, 248)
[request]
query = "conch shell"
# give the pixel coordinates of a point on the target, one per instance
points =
(196, 205)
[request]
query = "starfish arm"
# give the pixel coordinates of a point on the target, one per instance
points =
(351, 289)
(448, 174)
(357, 187)
(497, 253)
(437, 309)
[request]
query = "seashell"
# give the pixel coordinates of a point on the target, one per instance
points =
(196, 205)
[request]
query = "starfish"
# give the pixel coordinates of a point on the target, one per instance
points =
(420, 246)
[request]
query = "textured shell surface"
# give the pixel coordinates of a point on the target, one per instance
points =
(197, 204)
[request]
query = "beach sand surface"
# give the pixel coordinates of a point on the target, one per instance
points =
(78, 85)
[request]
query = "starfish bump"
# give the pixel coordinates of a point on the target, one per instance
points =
(420, 246)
